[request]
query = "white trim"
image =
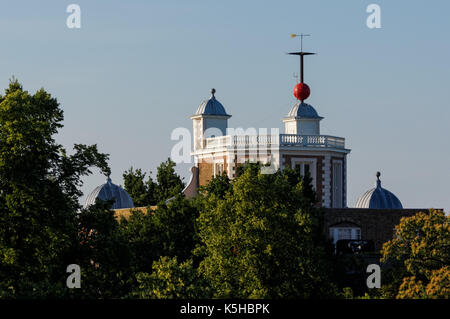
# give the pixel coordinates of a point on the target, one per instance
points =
(215, 169)
(313, 167)
(338, 185)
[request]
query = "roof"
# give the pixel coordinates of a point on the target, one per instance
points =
(303, 110)
(211, 106)
(379, 198)
(110, 191)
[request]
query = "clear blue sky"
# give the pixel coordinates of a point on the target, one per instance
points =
(138, 69)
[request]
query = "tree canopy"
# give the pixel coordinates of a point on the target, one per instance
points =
(258, 236)
(263, 238)
(420, 257)
(147, 192)
(39, 192)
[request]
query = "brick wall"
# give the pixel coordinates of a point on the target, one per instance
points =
(126, 212)
(205, 173)
(376, 224)
(206, 169)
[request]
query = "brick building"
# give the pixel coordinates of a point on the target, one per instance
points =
(218, 148)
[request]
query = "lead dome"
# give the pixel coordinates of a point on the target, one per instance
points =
(303, 110)
(379, 198)
(110, 191)
(211, 106)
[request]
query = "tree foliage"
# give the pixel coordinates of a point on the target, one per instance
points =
(142, 192)
(258, 236)
(169, 230)
(169, 182)
(39, 192)
(420, 257)
(147, 192)
(263, 239)
(170, 279)
(103, 254)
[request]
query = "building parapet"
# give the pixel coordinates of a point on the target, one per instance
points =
(281, 140)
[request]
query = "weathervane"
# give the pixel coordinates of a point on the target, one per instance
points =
(301, 90)
(301, 35)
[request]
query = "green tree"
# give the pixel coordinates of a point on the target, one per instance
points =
(142, 192)
(103, 254)
(167, 231)
(169, 182)
(419, 257)
(148, 193)
(170, 279)
(263, 238)
(219, 185)
(39, 192)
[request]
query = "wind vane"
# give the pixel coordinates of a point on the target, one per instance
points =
(301, 90)
(301, 35)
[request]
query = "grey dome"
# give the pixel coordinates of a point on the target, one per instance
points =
(211, 106)
(379, 198)
(303, 110)
(110, 191)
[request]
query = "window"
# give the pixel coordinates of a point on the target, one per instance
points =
(218, 169)
(305, 166)
(338, 233)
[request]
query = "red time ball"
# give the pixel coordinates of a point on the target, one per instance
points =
(301, 91)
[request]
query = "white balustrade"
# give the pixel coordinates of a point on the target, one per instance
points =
(323, 141)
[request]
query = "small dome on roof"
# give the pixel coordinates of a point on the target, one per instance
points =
(110, 191)
(211, 106)
(303, 110)
(378, 198)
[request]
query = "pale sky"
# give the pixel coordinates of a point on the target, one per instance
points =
(138, 69)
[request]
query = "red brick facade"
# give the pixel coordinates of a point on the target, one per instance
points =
(375, 224)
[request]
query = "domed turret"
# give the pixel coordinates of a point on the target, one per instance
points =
(211, 106)
(110, 191)
(303, 110)
(210, 120)
(378, 198)
(302, 119)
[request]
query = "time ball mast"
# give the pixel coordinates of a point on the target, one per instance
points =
(301, 90)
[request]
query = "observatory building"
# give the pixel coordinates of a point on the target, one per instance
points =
(217, 148)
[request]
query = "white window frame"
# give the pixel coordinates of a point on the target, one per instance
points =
(312, 167)
(217, 171)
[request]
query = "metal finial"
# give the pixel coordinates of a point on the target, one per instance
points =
(213, 90)
(108, 179)
(378, 182)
